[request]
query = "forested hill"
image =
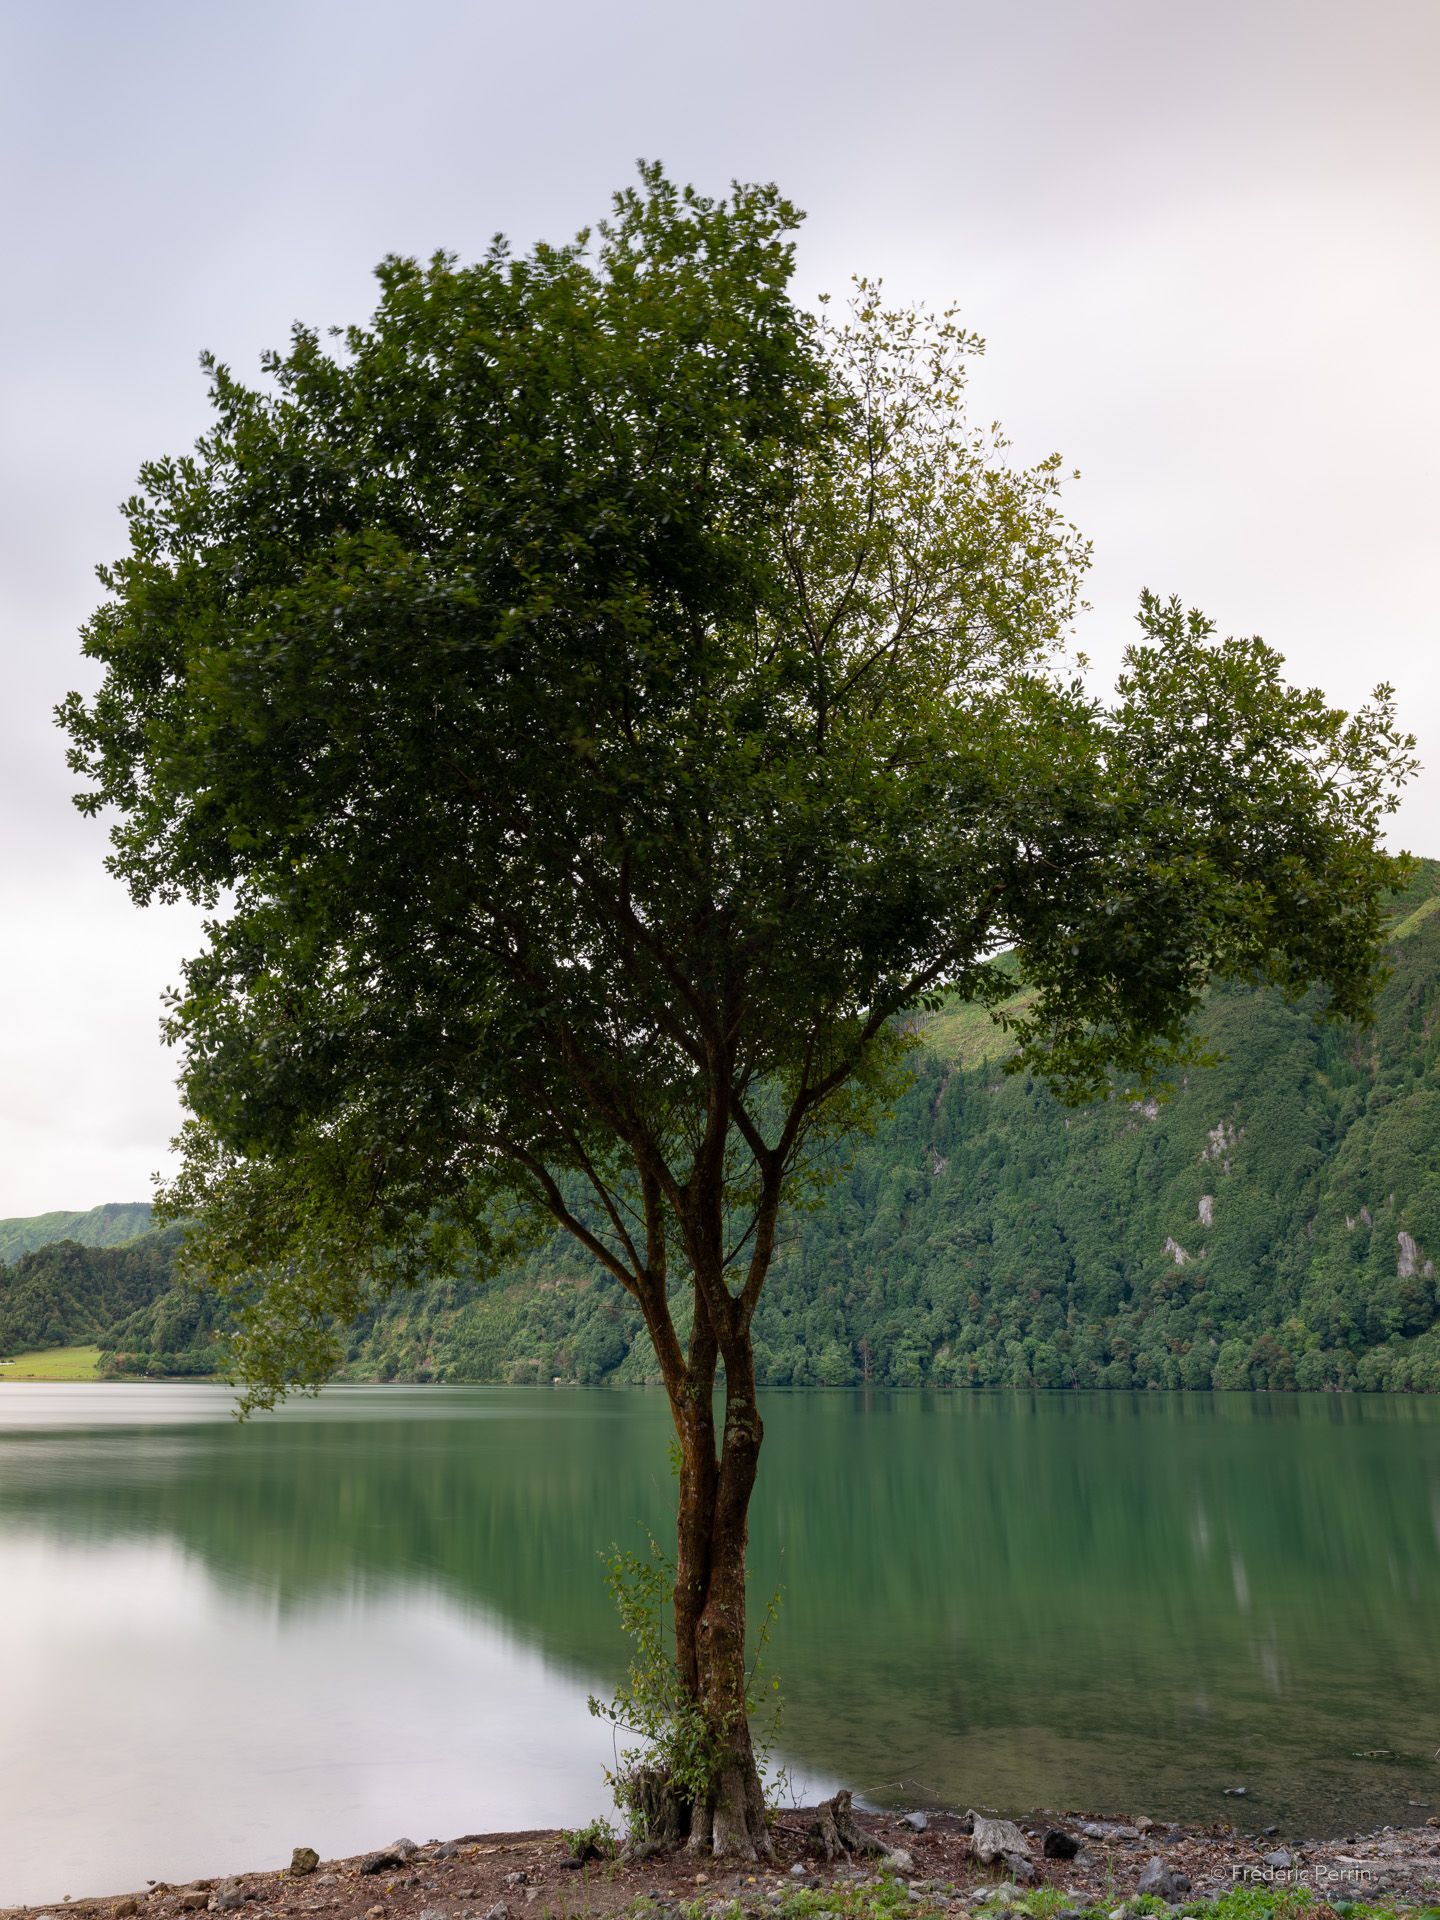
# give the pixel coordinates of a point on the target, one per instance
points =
(107, 1226)
(66, 1294)
(1276, 1224)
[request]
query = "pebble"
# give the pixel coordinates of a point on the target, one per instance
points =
(304, 1860)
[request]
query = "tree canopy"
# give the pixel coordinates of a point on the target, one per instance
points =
(598, 698)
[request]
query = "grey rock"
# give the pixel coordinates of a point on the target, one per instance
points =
(433, 1913)
(899, 1860)
(1108, 1830)
(304, 1860)
(1059, 1845)
(404, 1848)
(797, 1872)
(518, 1879)
(1005, 1895)
(1158, 1879)
(1020, 1868)
(917, 1822)
(1280, 1859)
(995, 1839)
(227, 1897)
(382, 1862)
(498, 1912)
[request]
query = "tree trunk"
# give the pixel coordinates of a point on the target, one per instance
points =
(710, 1602)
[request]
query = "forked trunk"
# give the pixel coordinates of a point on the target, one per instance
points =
(710, 1606)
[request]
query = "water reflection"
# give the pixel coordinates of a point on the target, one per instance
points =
(384, 1610)
(162, 1726)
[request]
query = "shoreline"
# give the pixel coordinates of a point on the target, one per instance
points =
(930, 1863)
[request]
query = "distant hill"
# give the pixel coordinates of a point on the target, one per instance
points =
(108, 1226)
(1275, 1224)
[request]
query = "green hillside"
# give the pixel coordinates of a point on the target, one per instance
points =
(1276, 1224)
(65, 1294)
(108, 1226)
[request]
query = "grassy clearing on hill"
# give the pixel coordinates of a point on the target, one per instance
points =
(53, 1363)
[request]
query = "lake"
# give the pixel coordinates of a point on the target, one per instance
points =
(382, 1612)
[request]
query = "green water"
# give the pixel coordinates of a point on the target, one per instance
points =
(382, 1613)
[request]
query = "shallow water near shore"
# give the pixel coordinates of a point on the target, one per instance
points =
(382, 1612)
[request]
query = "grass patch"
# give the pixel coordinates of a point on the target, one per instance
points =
(965, 1035)
(1413, 922)
(888, 1899)
(53, 1363)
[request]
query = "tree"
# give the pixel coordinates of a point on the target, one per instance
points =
(598, 700)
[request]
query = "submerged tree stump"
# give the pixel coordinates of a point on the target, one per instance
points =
(836, 1833)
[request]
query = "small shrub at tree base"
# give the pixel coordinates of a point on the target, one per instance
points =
(658, 1783)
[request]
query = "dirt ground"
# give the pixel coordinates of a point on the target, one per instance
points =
(507, 1876)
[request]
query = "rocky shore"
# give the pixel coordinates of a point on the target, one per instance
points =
(965, 1867)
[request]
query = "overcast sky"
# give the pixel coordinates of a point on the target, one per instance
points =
(1201, 237)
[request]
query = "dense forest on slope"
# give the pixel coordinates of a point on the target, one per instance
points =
(1274, 1224)
(64, 1294)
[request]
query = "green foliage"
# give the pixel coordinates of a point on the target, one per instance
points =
(596, 1836)
(676, 1743)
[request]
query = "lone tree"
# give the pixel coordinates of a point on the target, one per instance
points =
(597, 700)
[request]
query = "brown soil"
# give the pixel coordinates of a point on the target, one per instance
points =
(525, 1874)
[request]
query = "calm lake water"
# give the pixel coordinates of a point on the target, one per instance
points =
(382, 1612)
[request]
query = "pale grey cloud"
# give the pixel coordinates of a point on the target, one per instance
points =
(1200, 237)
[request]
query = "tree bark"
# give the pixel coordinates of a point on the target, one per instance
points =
(711, 1544)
